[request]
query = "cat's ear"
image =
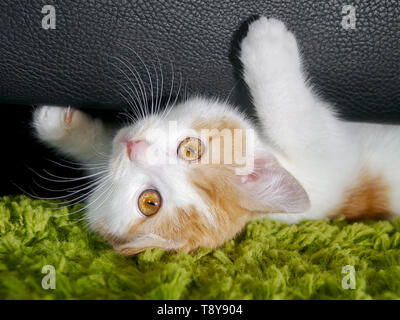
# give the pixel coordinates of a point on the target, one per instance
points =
(270, 188)
(145, 242)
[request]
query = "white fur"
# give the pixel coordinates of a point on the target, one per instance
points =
(322, 152)
(299, 129)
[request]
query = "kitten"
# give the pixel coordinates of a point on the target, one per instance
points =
(157, 192)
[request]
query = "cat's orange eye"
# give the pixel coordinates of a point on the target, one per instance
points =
(149, 202)
(190, 149)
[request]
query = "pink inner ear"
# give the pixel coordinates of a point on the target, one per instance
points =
(249, 178)
(273, 189)
(259, 168)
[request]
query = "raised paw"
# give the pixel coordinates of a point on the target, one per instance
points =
(269, 49)
(54, 123)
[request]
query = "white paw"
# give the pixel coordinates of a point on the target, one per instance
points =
(54, 123)
(269, 47)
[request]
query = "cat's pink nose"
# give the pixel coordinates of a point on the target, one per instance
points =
(135, 148)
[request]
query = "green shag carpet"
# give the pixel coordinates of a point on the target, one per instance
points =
(269, 260)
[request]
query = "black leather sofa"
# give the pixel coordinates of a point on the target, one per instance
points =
(352, 55)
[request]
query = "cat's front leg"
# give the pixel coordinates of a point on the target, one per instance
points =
(293, 118)
(71, 132)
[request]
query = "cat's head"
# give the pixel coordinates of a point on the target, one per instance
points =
(188, 179)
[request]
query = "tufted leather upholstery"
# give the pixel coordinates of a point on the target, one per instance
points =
(75, 63)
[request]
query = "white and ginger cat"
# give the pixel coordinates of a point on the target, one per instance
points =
(308, 164)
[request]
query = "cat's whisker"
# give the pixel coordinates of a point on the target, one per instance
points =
(131, 102)
(132, 107)
(159, 93)
(78, 199)
(77, 168)
(49, 201)
(139, 81)
(126, 64)
(179, 89)
(226, 101)
(107, 196)
(67, 179)
(76, 221)
(126, 118)
(156, 95)
(148, 74)
(76, 189)
(79, 164)
(151, 89)
(26, 192)
(162, 84)
(185, 94)
(133, 91)
(71, 191)
(100, 154)
(64, 179)
(176, 97)
(136, 100)
(163, 116)
(74, 201)
(89, 204)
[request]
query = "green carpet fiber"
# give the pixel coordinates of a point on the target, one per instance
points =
(268, 260)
